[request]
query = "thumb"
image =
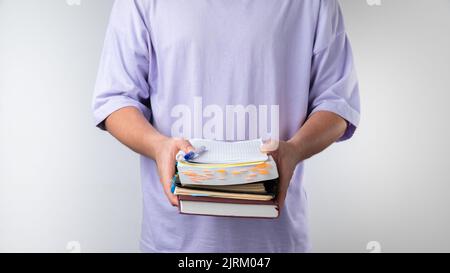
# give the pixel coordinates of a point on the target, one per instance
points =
(184, 145)
(270, 146)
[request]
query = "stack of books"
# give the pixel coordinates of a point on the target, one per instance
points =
(227, 179)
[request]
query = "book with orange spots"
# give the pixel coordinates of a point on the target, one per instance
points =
(227, 163)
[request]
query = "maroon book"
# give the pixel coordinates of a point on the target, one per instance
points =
(209, 206)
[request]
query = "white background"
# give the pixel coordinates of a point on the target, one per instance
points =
(63, 180)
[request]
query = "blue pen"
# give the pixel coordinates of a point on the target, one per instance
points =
(174, 180)
(194, 154)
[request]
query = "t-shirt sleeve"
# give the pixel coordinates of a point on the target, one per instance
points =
(334, 84)
(123, 77)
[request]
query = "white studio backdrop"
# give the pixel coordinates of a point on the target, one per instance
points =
(66, 186)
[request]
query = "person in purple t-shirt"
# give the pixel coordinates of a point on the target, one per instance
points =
(172, 62)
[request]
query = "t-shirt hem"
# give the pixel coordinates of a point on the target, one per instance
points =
(146, 248)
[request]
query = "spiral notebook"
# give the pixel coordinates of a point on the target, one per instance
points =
(221, 152)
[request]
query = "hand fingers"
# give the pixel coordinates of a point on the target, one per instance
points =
(167, 186)
(282, 192)
(168, 191)
(166, 180)
(284, 181)
(167, 172)
(281, 198)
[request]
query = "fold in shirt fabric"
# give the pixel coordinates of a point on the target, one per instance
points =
(163, 53)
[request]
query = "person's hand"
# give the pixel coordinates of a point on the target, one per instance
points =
(165, 160)
(287, 157)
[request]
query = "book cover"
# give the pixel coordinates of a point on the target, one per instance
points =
(208, 206)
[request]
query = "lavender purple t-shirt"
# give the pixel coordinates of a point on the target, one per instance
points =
(162, 53)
